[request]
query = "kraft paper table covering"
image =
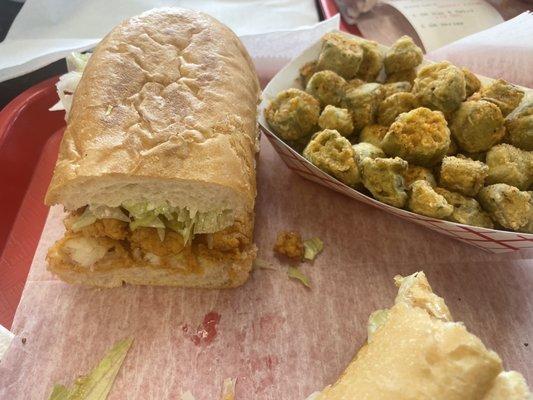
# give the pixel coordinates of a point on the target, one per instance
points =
(279, 339)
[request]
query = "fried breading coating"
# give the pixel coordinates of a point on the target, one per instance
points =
(307, 71)
(293, 114)
(505, 95)
(336, 118)
(466, 210)
(507, 205)
(426, 201)
(519, 125)
(409, 75)
(403, 55)
(417, 173)
(473, 84)
(148, 240)
(388, 89)
(341, 54)
(373, 134)
(333, 154)
(363, 102)
(383, 177)
(394, 105)
(372, 61)
(477, 126)
(289, 244)
(463, 175)
(327, 87)
(420, 136)
(508, 164)
(440, 86)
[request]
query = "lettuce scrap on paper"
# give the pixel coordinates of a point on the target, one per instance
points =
(312, 247)
(97, 384)
(295, 273)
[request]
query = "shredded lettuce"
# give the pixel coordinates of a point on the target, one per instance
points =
(312, 247)
(109, 212)
(297, 274)
(160, 216)
(68, 83)
(97, 384)
(77, 61)
(85, 219)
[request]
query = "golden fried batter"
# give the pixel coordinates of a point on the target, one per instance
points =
(289, 244)
(341, 54)
(463, 175)
(507, 205)
(505, 95)
(403, 55)
(440, 86)
(416, 173)
(466, 210)
(420, 136)
(148, 240)
(426, 201)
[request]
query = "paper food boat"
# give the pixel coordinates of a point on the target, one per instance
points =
(492, 240)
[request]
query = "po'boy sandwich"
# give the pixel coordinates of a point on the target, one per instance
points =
(416, 352)
(156, 169)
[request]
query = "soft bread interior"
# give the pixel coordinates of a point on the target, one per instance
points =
(415, 351)
(113, 191)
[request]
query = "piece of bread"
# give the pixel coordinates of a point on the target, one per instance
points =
(415, 352)
(166, 109)
(165, 112)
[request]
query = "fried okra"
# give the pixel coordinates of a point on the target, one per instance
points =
(409, 75)
(333, 154)
(466, 210)
(289, 244)
(519, 125)
(473, 84)
(372, 61)
(336, 118)
(510, 165)
(340, 54)
(403, 55)
(327, 87)
(420, 136)
(440, 86)
(463, 175)
(507, 205)
(365, 150)
(363, 102)
(477, 126)
(394, 105)
(307, 71)
(383, 177)
(505, 95)
(416, 173)
(426, 201)
(388, 89)
(373, 134)
(293, 114)
(453, 149)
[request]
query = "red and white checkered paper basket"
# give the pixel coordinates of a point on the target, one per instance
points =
(491, 240)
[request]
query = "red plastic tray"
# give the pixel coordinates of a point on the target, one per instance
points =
(29, 140)
(329, 9)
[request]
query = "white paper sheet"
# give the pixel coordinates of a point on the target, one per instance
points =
(439, 22)
(504, 51)
(47, 30)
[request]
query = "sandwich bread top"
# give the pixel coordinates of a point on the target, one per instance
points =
(168, 98)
